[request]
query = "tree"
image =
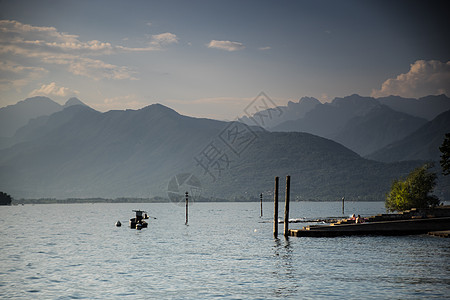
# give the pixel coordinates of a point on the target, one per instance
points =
(414, 191)
(5, 199)
(445, 157)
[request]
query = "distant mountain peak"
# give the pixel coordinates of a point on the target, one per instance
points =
(427, 107)
(309, 100)
(40, 99)
(434, 97)
(159, 108)
(74, 101)
(12, 117)
(354, 99)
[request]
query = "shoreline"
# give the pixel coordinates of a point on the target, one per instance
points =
(153, 200)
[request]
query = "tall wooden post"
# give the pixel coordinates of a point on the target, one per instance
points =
(260, 198)
(275, 209)
(187, 205)
(343, 198)
(286, 206)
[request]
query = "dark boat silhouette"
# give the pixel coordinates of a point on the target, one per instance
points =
(138, 222)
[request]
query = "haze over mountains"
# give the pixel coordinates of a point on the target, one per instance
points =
(422, 143)
(12, 117)
(79, 152)
(363, 124)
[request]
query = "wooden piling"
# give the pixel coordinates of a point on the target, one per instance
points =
(260, 198)
(286, 206)
(187, 205)
(275, 209)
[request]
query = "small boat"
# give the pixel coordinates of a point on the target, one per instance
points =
(138, 222)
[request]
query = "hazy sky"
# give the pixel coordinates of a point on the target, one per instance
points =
(211, 58)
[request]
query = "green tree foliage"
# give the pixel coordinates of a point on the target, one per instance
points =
(414, 191)
(445, 157)
(5, 199)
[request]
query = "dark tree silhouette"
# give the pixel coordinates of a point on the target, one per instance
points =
(445, 157)
(5, 199)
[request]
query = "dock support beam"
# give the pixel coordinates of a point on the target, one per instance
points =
(275, 209)
(260, 198)
(286, 206)
(187, 210)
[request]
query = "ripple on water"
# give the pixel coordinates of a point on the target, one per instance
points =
(226, 252)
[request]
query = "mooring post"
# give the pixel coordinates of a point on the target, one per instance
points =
(275, 209)
(286, 206)
(187, 205)
(343, 198)
(260, 198)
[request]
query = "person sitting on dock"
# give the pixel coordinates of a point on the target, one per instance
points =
(359, 220)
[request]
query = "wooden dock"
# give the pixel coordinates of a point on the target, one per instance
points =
(444, 234)
(395, 227)
(432, 220)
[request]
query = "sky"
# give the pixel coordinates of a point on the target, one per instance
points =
(213, 58)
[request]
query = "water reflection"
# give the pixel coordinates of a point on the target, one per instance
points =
(284, 272)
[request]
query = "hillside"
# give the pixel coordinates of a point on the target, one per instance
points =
(79, 152)
(428, 107)
(274, 116)
(380, 127)
(13, 117)
(423, 144)
(365, 124)
(320, 169)
(326, 119)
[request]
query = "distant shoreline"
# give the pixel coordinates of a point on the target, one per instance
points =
(156, 200)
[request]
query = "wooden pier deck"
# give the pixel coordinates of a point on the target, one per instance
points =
(444, 233)
(395, 227)
(433, 220)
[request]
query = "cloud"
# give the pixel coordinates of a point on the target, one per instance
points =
(96, 69)
(13, 75)
(49, 46)
(33, 33)
(53, 90)
(264, 48)
(163, 39)
(226, 45)
(424, 78)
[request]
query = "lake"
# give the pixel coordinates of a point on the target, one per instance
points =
(74, 251)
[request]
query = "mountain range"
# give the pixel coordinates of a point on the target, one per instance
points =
(422, 143)
(80, 152)
(376, 129)
(428, 107)
(273, 116)
(362, 124)
(13, 117)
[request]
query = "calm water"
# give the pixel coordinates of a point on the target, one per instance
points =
(74, 251)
